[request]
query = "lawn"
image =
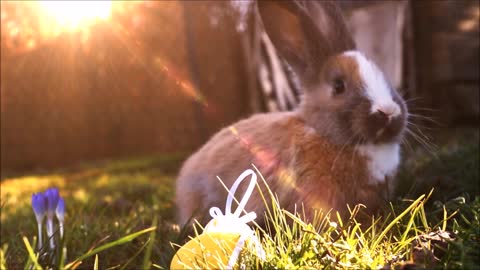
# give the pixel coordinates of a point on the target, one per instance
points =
(109, 200)
(104, 202)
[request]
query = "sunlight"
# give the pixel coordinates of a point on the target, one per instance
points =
(267, 159)
(72, 15)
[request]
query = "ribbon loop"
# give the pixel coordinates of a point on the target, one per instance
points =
(215, 212)
(246, 196)
(229, 221)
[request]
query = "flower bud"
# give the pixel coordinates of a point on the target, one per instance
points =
(39, 205)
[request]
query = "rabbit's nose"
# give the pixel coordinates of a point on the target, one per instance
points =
(384, 116)
(386, 110)
(381, 118)
(384, 120)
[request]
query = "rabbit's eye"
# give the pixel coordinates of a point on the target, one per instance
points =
(338, 86)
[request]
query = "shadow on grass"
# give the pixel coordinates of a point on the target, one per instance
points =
(452, 170)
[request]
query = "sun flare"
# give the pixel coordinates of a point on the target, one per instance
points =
(72, 15)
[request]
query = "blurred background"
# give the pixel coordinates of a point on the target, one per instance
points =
(105, 99)
(89, 81)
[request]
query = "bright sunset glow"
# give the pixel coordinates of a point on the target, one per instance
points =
(72, 14)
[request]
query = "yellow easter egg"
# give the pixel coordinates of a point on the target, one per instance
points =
(206, 251)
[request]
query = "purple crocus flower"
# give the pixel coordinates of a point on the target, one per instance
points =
(52, 197)
(60, 211)
(39, 205)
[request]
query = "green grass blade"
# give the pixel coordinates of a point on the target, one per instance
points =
(147, 263)
(444, 222)
(3, 260)
(63, 255)
(95, 265)
(411, 222)
(118, 242)
(62, 250)
(28, 264)
(157, 266)
(397, 219)
(31, 254)
(135, 255)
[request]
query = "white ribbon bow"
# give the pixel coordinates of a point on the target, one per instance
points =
(233, 222)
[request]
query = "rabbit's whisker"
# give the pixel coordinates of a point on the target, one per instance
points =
(407, 144)
(358, 142)
(413, 99)
(418, 128)
(430, 147)
(349, 140)
(417, 139)
(421, 136)
(423, 117)
(418, 125)
(417, 108)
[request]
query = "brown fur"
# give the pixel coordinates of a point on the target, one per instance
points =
(321, 176)
(308, 156)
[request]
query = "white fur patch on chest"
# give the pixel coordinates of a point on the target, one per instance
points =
(383, 160)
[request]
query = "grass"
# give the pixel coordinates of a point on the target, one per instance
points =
(104, 202)
(108, 202)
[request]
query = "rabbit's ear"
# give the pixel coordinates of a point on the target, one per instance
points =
(305, 32)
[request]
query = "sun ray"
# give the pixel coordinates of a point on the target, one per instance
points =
(265, 158)
(72, 15)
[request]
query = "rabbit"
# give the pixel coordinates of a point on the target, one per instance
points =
(337, 148)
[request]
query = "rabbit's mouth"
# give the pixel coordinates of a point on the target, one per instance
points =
(386, 124)
(379, 124)
(382, 128)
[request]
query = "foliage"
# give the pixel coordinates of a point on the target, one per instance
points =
(111, 201)
(106, 203)
(413, 236)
